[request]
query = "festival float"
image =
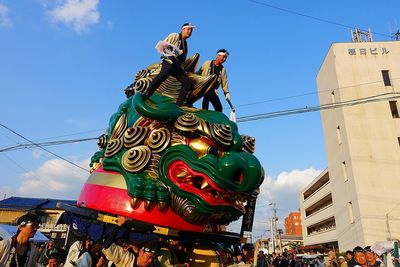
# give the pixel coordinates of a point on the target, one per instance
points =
(178, 172)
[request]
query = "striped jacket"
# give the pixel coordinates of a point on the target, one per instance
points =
(205, 70)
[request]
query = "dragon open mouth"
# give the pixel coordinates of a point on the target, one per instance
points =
(201, 184)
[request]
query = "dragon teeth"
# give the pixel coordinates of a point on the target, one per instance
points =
(182, 174)
(204, 184)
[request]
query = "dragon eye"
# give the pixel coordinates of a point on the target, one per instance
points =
(213, 151)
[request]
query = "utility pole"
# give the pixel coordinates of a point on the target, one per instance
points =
(274, 227)
(280, 240)
(272, 235)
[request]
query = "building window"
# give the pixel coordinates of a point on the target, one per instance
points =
(351, 215)
(333, 97)
(394, 109)
(344, 170)
(386, 78)
(338, 135)
(398, 140)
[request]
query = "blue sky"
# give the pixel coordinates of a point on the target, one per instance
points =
(64, 65)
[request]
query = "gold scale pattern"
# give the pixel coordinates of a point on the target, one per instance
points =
(219, 133)
(249, 143)
(143, 142)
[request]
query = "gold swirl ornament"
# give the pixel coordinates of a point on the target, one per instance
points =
(102, 142)
(249, 143)
(113, 147)
(159, 140)
(142, 84)
(119, 127)
(141, 74)
(136, 158)
(187, 122)
(135, 136)
(222, 134)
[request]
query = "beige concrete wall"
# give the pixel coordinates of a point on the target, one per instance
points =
(369, 144)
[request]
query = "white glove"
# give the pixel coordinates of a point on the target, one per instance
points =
(228, 97)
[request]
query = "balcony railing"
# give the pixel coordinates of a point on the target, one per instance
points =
(52, 227)
(316, 191)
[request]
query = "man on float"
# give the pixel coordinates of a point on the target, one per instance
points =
(172, 63)
(215, 67)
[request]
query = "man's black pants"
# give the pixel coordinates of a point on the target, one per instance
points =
(212, 97)
(175, 70)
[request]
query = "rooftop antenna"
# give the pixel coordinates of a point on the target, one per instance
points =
(358, 36)
(396, 35)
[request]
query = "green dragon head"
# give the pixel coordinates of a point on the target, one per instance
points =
(191, 161)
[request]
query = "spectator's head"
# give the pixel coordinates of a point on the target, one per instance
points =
(147, 254)
(341, 259)
(28, 225)
(349, 255)
(53, 260)
(359, 256)
(370, 255)
(51, 244)
(331, 255)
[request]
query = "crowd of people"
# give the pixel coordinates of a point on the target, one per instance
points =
(358, 257)
(112, 250)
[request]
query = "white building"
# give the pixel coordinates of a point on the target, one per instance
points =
(356, 201)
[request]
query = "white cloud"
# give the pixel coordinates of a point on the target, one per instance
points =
(37, 153)
(5, 20)
(54, 179)
(110, 25)
(284, 191)
(78, 14)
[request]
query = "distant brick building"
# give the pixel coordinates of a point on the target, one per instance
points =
(293, 224)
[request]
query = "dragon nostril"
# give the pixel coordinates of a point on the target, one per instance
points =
(237, 177)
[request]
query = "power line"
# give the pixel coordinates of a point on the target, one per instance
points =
(52, 143)
(37, 145)
(311, 17)
(311, 93)
(317, 108)
(240, 119)
(71, 134)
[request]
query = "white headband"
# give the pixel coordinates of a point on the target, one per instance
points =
(223, 54)
(188, 26)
